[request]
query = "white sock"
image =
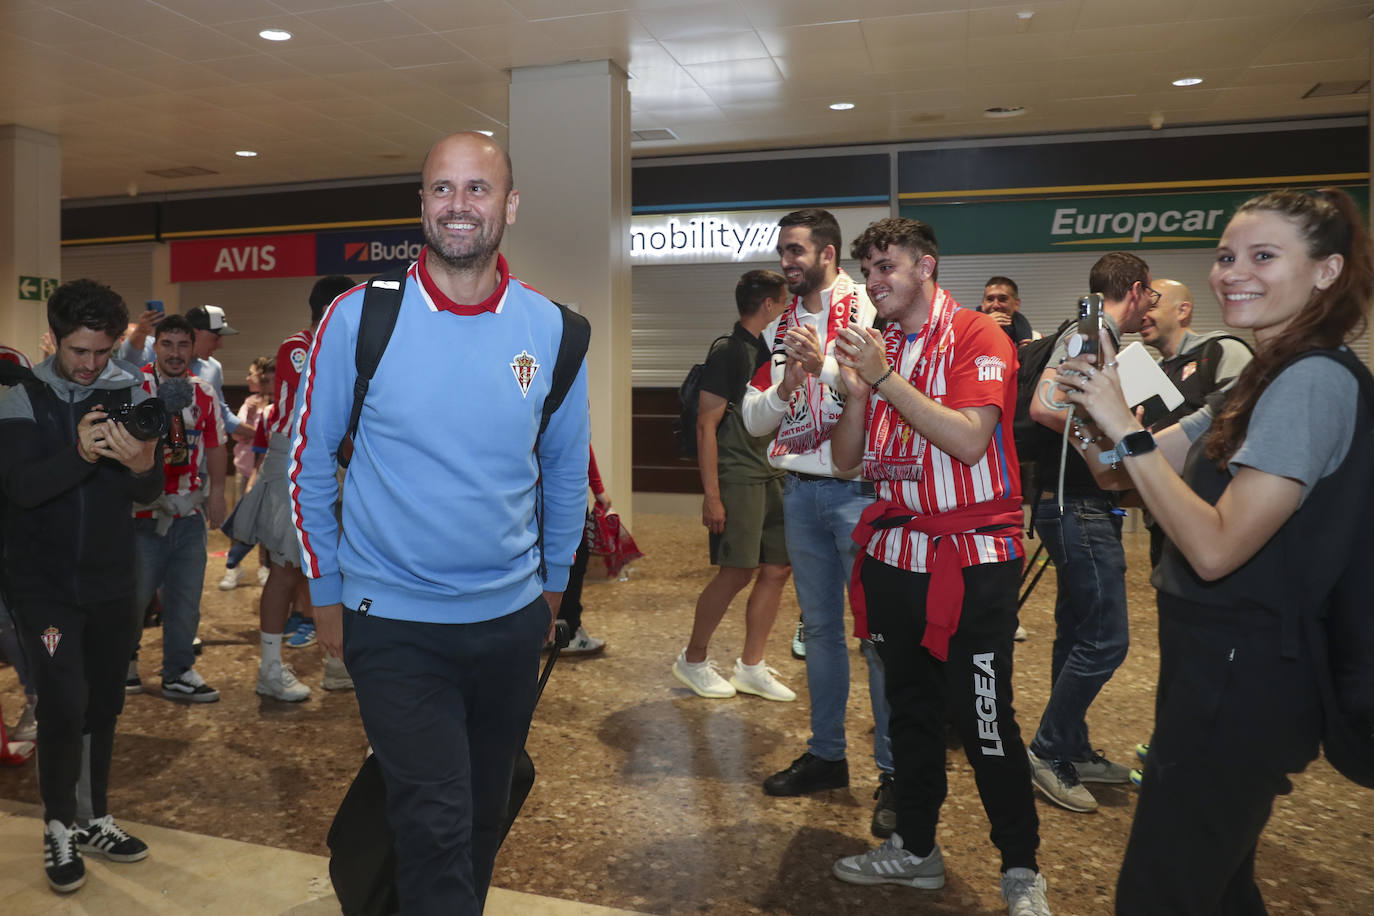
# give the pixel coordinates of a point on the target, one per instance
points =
(753, 669)
(271, 648)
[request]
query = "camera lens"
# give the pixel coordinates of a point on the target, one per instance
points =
(145, 421)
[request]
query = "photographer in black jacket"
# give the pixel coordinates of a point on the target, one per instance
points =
(70, 481)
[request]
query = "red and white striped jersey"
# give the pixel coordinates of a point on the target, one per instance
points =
(203, 429)
(978, 369)
(291, 357)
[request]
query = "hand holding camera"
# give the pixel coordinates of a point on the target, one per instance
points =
(98, 438)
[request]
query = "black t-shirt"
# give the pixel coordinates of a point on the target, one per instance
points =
(741, 458)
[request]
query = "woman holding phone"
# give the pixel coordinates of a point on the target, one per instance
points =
(1260, 502)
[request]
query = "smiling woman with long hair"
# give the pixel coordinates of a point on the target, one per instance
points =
(1259, 526)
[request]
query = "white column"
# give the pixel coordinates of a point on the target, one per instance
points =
(570, 147)
(30, 230)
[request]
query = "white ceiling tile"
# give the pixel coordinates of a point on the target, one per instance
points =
(830, 39)
(304, 34)
(1053, 16)
(119, 53)
(775, 13)
(308, 6)
(894, 31)
(413, 51)
(442, 15)
(708, 49)
(1309, 72)
(198, 43)
(1106, 14)
(926, 56)
(326, 60)
(816, 67)
(364, 22)
(129, 17)
(651, 98)
(50, 27)
(694, 21)
(558, 9)
(454, 74)
(214, 12)
(253, 68)
(1345, 44)
(728, 73)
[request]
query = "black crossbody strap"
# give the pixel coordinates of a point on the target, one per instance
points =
(572, 349)
(381, 305)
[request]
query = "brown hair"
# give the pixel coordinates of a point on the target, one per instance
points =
(1115, 273)
(1330, 223)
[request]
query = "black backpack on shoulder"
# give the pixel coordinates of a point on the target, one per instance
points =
(689, 398)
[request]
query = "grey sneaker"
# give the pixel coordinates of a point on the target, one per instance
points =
(1023, 891)
(1100, 769)
(26, 729)
(1059, 782)
(891, 864)
(336, 676)
(799, 641)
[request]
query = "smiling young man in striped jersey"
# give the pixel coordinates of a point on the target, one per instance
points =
(927, 417)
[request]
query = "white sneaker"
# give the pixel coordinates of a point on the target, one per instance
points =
(582, 644)
(280, 682)
(231, 580)
(336, 676)
(761, 681)
(1021, 634)
(703, 677)
(262, 575)
(1023, 891)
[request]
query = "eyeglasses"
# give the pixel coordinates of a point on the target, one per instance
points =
(1153, 294)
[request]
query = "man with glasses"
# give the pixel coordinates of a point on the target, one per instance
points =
(1084, 541)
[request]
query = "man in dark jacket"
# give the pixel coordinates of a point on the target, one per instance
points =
(70, 480)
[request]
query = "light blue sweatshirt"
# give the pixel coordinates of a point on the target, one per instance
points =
(438, 501)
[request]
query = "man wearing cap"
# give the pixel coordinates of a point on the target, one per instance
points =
(138, 349)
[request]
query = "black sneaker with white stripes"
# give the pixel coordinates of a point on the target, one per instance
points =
(104, 837)
(189, 686)
(66, 872)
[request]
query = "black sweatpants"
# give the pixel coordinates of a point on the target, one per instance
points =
(972, 689)
(446, 708)
(1232, 720)
(79, 656)
(571, 608)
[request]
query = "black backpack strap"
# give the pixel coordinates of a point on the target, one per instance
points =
(381, 305)
(572, 349)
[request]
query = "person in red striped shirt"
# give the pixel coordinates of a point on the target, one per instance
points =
(928, 418)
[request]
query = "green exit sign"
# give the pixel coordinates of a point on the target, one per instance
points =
(36, 289)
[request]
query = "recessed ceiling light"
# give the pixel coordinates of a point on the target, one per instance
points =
(1188, 81)
(842, 106)
(1004, 111)
(245, 153)
(275, 34)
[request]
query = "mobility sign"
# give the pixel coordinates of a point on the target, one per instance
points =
(245, 258)
(1144, 221)
(36, 289)
(365, 252)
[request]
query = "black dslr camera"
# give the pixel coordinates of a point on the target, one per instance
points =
(146, 420)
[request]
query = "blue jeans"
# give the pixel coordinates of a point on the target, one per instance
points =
(819, 517)
(1092, 633)
(175, 563)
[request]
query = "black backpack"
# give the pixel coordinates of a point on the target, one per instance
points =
(1341, 634)
(381, 305)
(689, 397)
(1035, 444)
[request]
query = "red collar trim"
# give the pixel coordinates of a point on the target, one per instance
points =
(443, 303)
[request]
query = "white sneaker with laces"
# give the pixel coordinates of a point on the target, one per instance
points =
(891, 863)
(583, 644)
(1023, 891)
(703, 677)
(1020, 635)
(231, 580)
(761, 681)
(279, 681)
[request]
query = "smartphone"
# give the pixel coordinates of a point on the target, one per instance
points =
(155, 305)
(1088, 336)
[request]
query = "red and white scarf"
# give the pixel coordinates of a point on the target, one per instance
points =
(893, 449)
(815, 407)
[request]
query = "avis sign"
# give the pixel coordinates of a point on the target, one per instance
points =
(250, 257)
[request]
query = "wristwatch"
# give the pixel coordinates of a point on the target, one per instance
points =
(1137, 443)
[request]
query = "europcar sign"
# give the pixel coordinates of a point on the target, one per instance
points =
(1144, 221)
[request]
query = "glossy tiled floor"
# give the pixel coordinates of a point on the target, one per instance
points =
(648, 797)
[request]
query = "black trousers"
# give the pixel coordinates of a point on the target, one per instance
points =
(1232, 719)
(571, 608)
(972, 689)
(446, 708)
(79, 657)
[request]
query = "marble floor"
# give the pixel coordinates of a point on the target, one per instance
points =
(647, 797)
